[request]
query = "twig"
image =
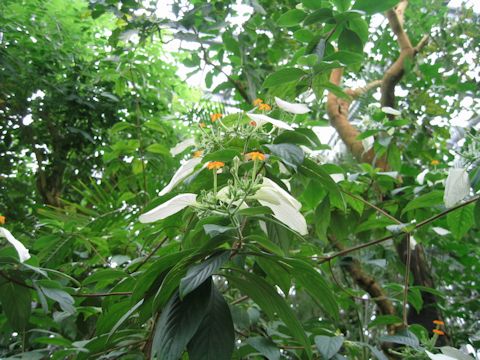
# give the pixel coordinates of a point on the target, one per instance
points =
(407, 278)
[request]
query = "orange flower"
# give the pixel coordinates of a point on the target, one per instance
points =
(438, 332)
(2, 220)
(215, 165)
(202, 125)
(438, 322)
(255, 155)
(257, 102)
(197, 153)
(434, 162)
(264, 107)
(215, 117)
(253, 123)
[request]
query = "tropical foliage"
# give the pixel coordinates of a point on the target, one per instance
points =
(316, 197)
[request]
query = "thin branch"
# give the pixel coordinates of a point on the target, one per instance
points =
(406, 284)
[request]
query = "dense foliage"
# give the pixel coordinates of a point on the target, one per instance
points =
(145, 218)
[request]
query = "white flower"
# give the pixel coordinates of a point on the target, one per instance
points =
(337, 177)
(391, 111)
(262, 119)
(169, 208)
(284, 206)
(182, 146)
(183, 172)
(22, 251)
(438, 356)
(367, 143)
(457, 186)
(294, 108)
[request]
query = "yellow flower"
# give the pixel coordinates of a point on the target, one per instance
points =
(438, 332)
(255, 155)
(438, 322)
(434, 162)
(257, 102)
(2, 220)
(264, 107)
(202, 125)
(197, 153)
(215, 165)
(215, 117)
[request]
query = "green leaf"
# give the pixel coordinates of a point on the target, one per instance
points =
(257, 210)
(222, 155)
(315, 285)
(322, 219)
(403, 337)
(291, 18)
(311, 169)
(213, 230)
(476, 213)
(345, 57)
(271, 303)
(328, 346)
(265, 346)
(16, 304)
(158, 149)
(350, 41)
(460, 221)
(277, 273)
(374, 6)
(385, 320)
(283, 76)
(125, 317)
(197, 274)
(215, 337)
(321, 15)
(429, 200)
(120, 126)
(64, 299)
(290, 154)
(179, 321)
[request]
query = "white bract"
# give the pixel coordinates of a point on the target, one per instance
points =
(262, 119)
(457, 186)
(439, 356)
(391, 111)
(182, 146)
(185, 170)
(293, 108)
(367, 143)
(169, 208)
(22, 251)
(284, 206)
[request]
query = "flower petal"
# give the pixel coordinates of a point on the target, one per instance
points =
(183, 171)
(438, 356)
(22, 251)
(368, 143)
(182, 146)
(262, 119)
(288, 215)
(391, 111)
(282, 193)
(294, 108)
(457, 186)
(169, 208)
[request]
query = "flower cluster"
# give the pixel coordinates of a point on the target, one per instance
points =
(248, 185)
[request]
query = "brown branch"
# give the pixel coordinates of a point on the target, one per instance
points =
(365, 281)
(355, 93)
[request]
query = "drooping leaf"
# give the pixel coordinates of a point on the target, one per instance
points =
(16, 304)
(282, 76)
(179, 321)
(197, 274)
(265, 346)
(372, 6)
(328, 346)
(461, 220)
(215, 337)
(290, 154)
(292, 17)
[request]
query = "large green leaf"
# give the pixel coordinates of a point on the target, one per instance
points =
(271, 303)
(350, 41)
(290, 154)
(16, 304)
(292, 17)
(215, 337)
(315, 285)
(374, 6)
(265, 346)
(427, 200)
(461, 220)
(197, 274)
(179, 321)
(328, 346)
(282, 76)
